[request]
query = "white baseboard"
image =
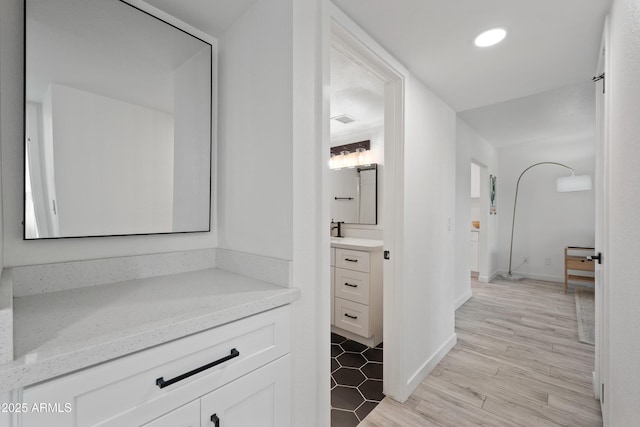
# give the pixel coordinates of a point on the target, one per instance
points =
(535, 276)
(487, 279)
(427, 367)
(464, 298)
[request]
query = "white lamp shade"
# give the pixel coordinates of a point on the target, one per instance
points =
(573, 183)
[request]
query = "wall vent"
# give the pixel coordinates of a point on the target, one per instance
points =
(344, 118)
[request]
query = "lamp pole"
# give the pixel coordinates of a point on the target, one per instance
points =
(515, 201)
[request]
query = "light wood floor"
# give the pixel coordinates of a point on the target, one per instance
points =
(517, 362)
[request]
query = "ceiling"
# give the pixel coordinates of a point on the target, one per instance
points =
(212, 17)
(77, 44)
(569, 110)
(550, 44)
(355, 92)
(551, 50)
(533, 86)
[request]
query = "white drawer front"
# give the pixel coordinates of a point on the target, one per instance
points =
(352, 316)
(124, 391)
(185, 416)
(352, 285)
(353, 260)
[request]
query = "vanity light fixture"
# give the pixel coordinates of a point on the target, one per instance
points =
(490, 37)
(350, 155)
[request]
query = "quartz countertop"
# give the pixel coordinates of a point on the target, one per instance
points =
(59, 332)
(370, 245)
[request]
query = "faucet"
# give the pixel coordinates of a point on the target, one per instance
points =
(338, 226)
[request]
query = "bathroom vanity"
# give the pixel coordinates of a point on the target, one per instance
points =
(204, 347)
(356, 300)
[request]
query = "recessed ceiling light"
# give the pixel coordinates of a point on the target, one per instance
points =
(490, 37)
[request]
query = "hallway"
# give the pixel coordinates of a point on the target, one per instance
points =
(517, 362)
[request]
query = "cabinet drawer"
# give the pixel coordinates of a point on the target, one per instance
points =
(353, 260)
(185, 416)
(352, 317)
(124, 391)
(580, 264)
(352, 285)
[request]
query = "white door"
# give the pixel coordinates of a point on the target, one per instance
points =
(260, 398)
(601, 243)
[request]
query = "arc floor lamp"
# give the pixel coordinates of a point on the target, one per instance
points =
(563, 184)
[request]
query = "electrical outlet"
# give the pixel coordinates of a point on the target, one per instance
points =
(547, 261)
(525, 260)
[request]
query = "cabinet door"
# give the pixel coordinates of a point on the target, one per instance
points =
(185, 416)
(260, 398)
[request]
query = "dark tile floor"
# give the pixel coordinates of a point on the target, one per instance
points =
(356, 380)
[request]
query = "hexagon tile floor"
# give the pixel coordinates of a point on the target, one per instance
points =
(356, 380)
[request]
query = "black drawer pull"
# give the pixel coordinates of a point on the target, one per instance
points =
(350, 285)
(351, 260)
(215, 420)
(160, 382)
(350, 316)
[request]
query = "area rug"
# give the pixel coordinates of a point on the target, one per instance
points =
(585, 311)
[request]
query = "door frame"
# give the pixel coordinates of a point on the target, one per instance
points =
(363, 49)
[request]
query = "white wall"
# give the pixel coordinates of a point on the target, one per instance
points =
(270, 163)
(105, 184)
(310, 266)
(255, 139)
(622, 392)
(472, 147)
(192, 143)
(429, 211)
(17, 251)
(546, 221)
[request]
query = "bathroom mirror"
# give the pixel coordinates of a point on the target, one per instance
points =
(354, 194)
(118, 122)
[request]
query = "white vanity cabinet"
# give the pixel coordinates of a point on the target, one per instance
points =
(239, 371)
(358, 295)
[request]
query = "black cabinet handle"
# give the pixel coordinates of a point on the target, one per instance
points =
(350, 316)
(351, 260)
(160, 382)
(215, 420)
(350, 285)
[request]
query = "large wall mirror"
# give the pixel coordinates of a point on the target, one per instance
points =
(118, 122)
(354, 194)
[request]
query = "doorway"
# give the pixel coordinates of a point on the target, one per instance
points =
(392, 84)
